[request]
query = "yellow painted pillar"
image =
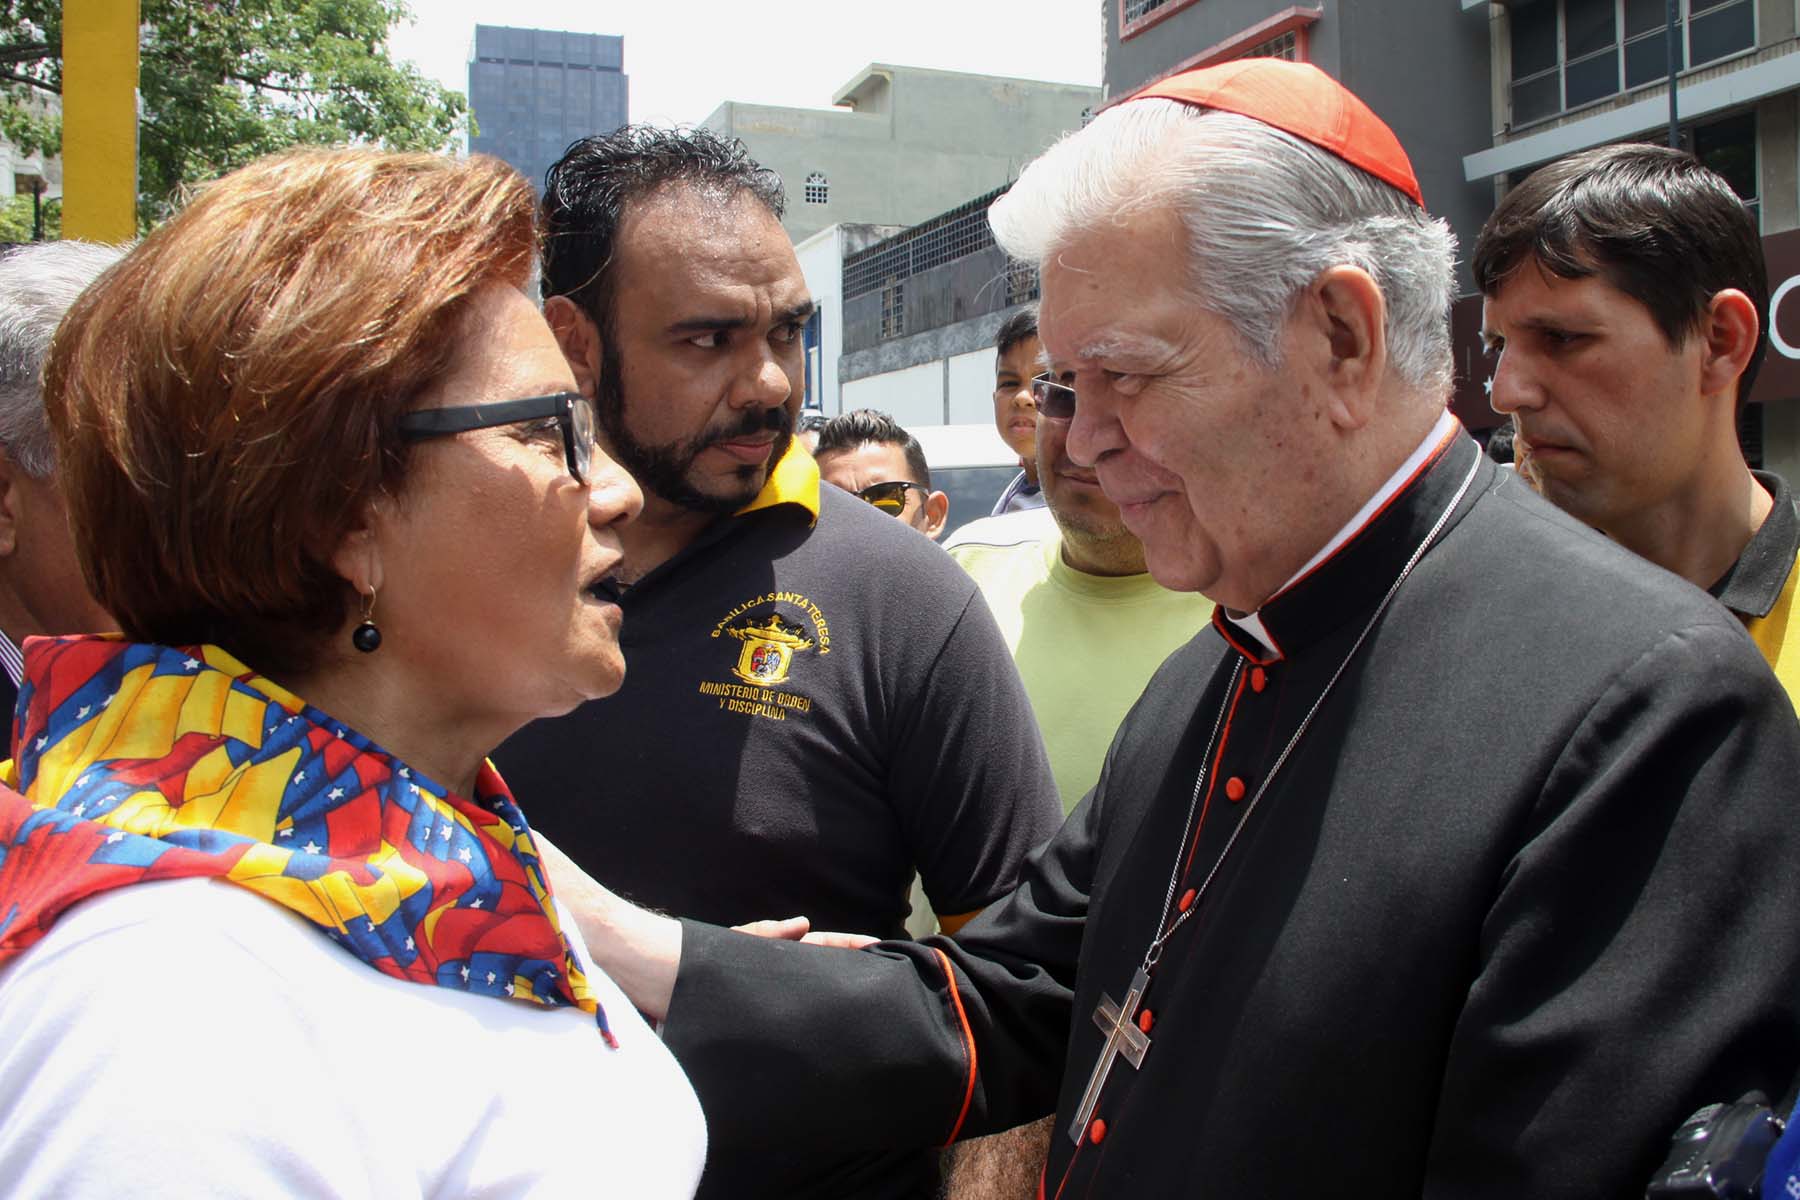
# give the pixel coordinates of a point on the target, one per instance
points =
(100, 78)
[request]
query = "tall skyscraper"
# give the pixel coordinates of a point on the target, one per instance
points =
(534, 91)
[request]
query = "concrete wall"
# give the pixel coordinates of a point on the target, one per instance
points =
(920, 142)
(1421, 65)
(932, 345)
(969, 387)
(822, 263)
(914, 396)
(951, 368)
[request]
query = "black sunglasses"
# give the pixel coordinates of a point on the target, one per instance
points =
(573, 411)
(890, 498)
(1053, 400)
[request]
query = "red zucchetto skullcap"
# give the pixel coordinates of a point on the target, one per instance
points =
(1304, 101)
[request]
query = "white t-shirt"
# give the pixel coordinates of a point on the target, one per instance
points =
(189, 1038)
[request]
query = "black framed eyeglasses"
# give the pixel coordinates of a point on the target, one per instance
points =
(890, 497)
(572, 410)
(1053, 400)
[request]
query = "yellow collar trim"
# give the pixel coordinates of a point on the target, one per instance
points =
(795, 480)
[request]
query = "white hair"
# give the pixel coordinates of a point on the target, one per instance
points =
(38, 283)
(1266, 213)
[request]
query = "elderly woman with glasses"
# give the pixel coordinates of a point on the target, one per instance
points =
(270, 924)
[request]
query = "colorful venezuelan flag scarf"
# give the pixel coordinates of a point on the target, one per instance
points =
(139, 763)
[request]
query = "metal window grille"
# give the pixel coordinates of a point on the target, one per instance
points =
(1136, 9)
(944, 238)
(1021, 282)
(893, 308)
(818, 191)
(1286, 46)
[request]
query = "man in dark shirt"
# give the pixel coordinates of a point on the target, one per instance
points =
(817, 703)
(1624, 298)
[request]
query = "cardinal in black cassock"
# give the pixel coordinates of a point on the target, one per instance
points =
(1359, 907)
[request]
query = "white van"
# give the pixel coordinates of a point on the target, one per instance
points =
(970, 464)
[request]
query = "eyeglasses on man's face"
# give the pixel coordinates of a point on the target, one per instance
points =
(890, 497)
(571, 410)
(1053, 400)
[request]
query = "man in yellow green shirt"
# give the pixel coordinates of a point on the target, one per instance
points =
(1085, 622)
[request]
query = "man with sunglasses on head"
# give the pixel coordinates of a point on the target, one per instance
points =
(870, 456)
(817, 703)
(1302, 939)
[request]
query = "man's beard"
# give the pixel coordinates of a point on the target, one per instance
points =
(663, 470)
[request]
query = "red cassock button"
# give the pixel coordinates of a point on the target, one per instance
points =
(1186, 902)
(1145, 1020)
(1234, 789)
(1258, 679)
(1097, 1131)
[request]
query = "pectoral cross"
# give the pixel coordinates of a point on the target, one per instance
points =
(1119, 1023)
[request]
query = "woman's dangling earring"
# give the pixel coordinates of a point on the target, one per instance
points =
(366, 637)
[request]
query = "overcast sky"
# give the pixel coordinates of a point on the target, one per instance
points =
(685, 58)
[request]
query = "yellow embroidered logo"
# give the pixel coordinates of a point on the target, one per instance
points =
(769, 649)
(769, 642)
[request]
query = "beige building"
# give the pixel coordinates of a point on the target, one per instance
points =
(903, 143)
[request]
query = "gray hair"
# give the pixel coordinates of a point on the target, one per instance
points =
(38, 284)
(1266, 213)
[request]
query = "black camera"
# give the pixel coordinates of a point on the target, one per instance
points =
(1719, 1151)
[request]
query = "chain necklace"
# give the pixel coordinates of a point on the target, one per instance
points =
(1118, 1021)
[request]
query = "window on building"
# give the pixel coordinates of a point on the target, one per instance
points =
(1568, 53)
(893, 307)
(1136, 15)
(1286, 46)
(1728, 146)
(817, 190)
(1021, 282)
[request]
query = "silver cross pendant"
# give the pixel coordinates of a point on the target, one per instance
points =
(1123, 1039)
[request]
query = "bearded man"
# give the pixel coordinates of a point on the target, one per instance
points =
(817, 702)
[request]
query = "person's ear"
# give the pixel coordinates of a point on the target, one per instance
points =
(579, 338)
(1730, 328)
(1341, 329)
(12, 502)
(358, 554)
(937, 512)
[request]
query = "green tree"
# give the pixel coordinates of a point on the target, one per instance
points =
(16, 224)
(226, 81)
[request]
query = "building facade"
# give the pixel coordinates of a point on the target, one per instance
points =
(903, 143)
(1430, 86)
(534, 91)
(1483, 93)
(920, 312)
(822, 263)
(37, 176)
(1567, 75)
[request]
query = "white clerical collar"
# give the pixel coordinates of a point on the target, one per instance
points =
(1251, 623)
(11, 660)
